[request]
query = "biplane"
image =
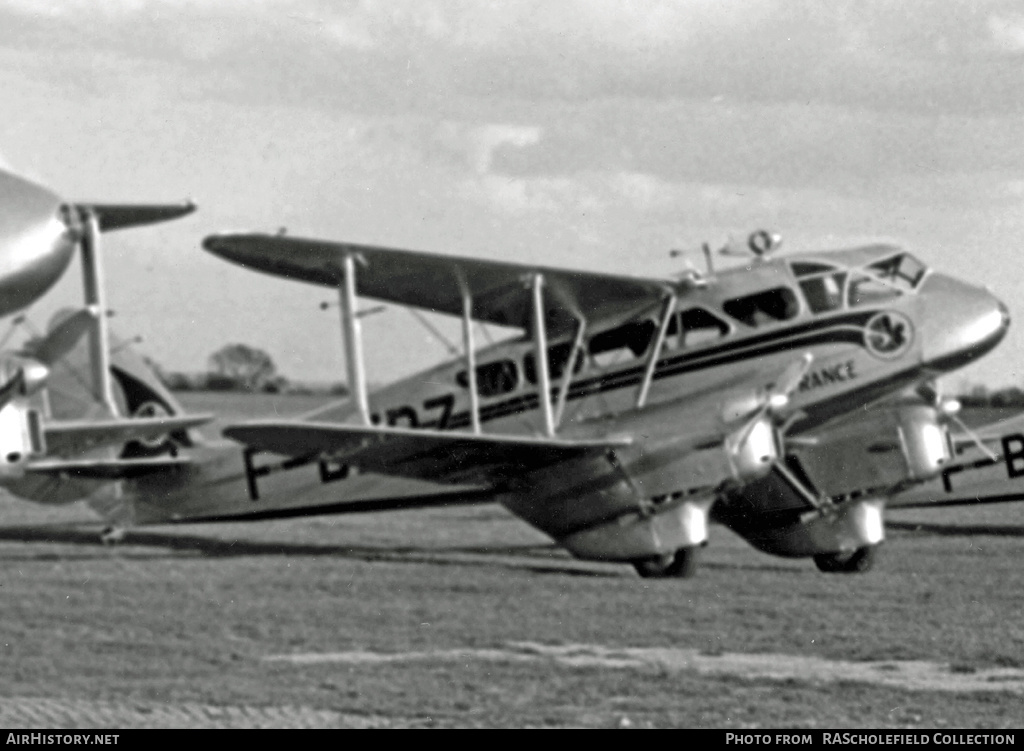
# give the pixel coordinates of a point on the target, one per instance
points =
(789, 399)
(39, 236)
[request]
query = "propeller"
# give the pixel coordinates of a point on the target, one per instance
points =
(33, 363)
(775, 399)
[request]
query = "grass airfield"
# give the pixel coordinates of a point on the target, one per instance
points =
(467, 617)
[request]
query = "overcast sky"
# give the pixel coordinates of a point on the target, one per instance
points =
(591, 133)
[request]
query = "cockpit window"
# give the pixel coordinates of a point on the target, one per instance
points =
(778, 304)
(902, 271)
(886, 279)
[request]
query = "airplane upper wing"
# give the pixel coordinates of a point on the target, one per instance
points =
(63, 438)
(112, 216)
(435, 282)
(416, 453)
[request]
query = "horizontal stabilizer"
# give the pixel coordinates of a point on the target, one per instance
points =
(107, 469)
(64, 438)
(112, 216)
(436, 282)
(440, 456)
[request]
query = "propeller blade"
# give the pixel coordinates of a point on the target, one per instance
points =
(63, 337)
(975, 438)
(929, 391)
(790, 379)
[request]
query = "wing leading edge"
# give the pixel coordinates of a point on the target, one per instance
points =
(499, 290)
(422, 454)
(63, 438)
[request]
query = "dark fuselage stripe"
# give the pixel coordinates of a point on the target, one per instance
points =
(842, 329)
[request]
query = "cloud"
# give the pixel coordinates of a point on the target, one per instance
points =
(1007, 32)
(927, 55)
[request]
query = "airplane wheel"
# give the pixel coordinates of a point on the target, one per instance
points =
(857, 562)
(680, 565)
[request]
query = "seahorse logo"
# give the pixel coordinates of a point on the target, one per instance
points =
(889, 335)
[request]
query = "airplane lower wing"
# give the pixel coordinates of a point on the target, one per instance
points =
(106, 469)
(423, 454)
(64, 438)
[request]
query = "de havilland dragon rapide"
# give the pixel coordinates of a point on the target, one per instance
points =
(791, 399)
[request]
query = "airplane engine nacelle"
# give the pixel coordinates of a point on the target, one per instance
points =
(21, 437)
(924, 441)
(753, 454)
(875, 451)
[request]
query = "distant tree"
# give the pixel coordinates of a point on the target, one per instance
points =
(1008, 397)
(176, 381)
(244, 366)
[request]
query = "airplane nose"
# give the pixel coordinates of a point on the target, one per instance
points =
(36, 243)
(961, 322)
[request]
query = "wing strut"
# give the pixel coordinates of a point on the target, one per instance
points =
(95, 295)
(569, 370)
(541, 342)
(468, 348)
(352, 338)
(659, 342)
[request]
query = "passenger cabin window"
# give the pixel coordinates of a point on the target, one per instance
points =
(616, 345)
(493, 379)
(778, 304)
(694, 327)
(821, 284)
(558, 358)
(886, 279)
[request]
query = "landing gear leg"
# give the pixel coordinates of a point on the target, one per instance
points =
(680, 565)
(857, 562)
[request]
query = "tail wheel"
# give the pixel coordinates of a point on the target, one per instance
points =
(679, 565)
(140, 448)
(857, 562)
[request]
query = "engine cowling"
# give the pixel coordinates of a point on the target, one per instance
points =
(752, 453)
(924, 441)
